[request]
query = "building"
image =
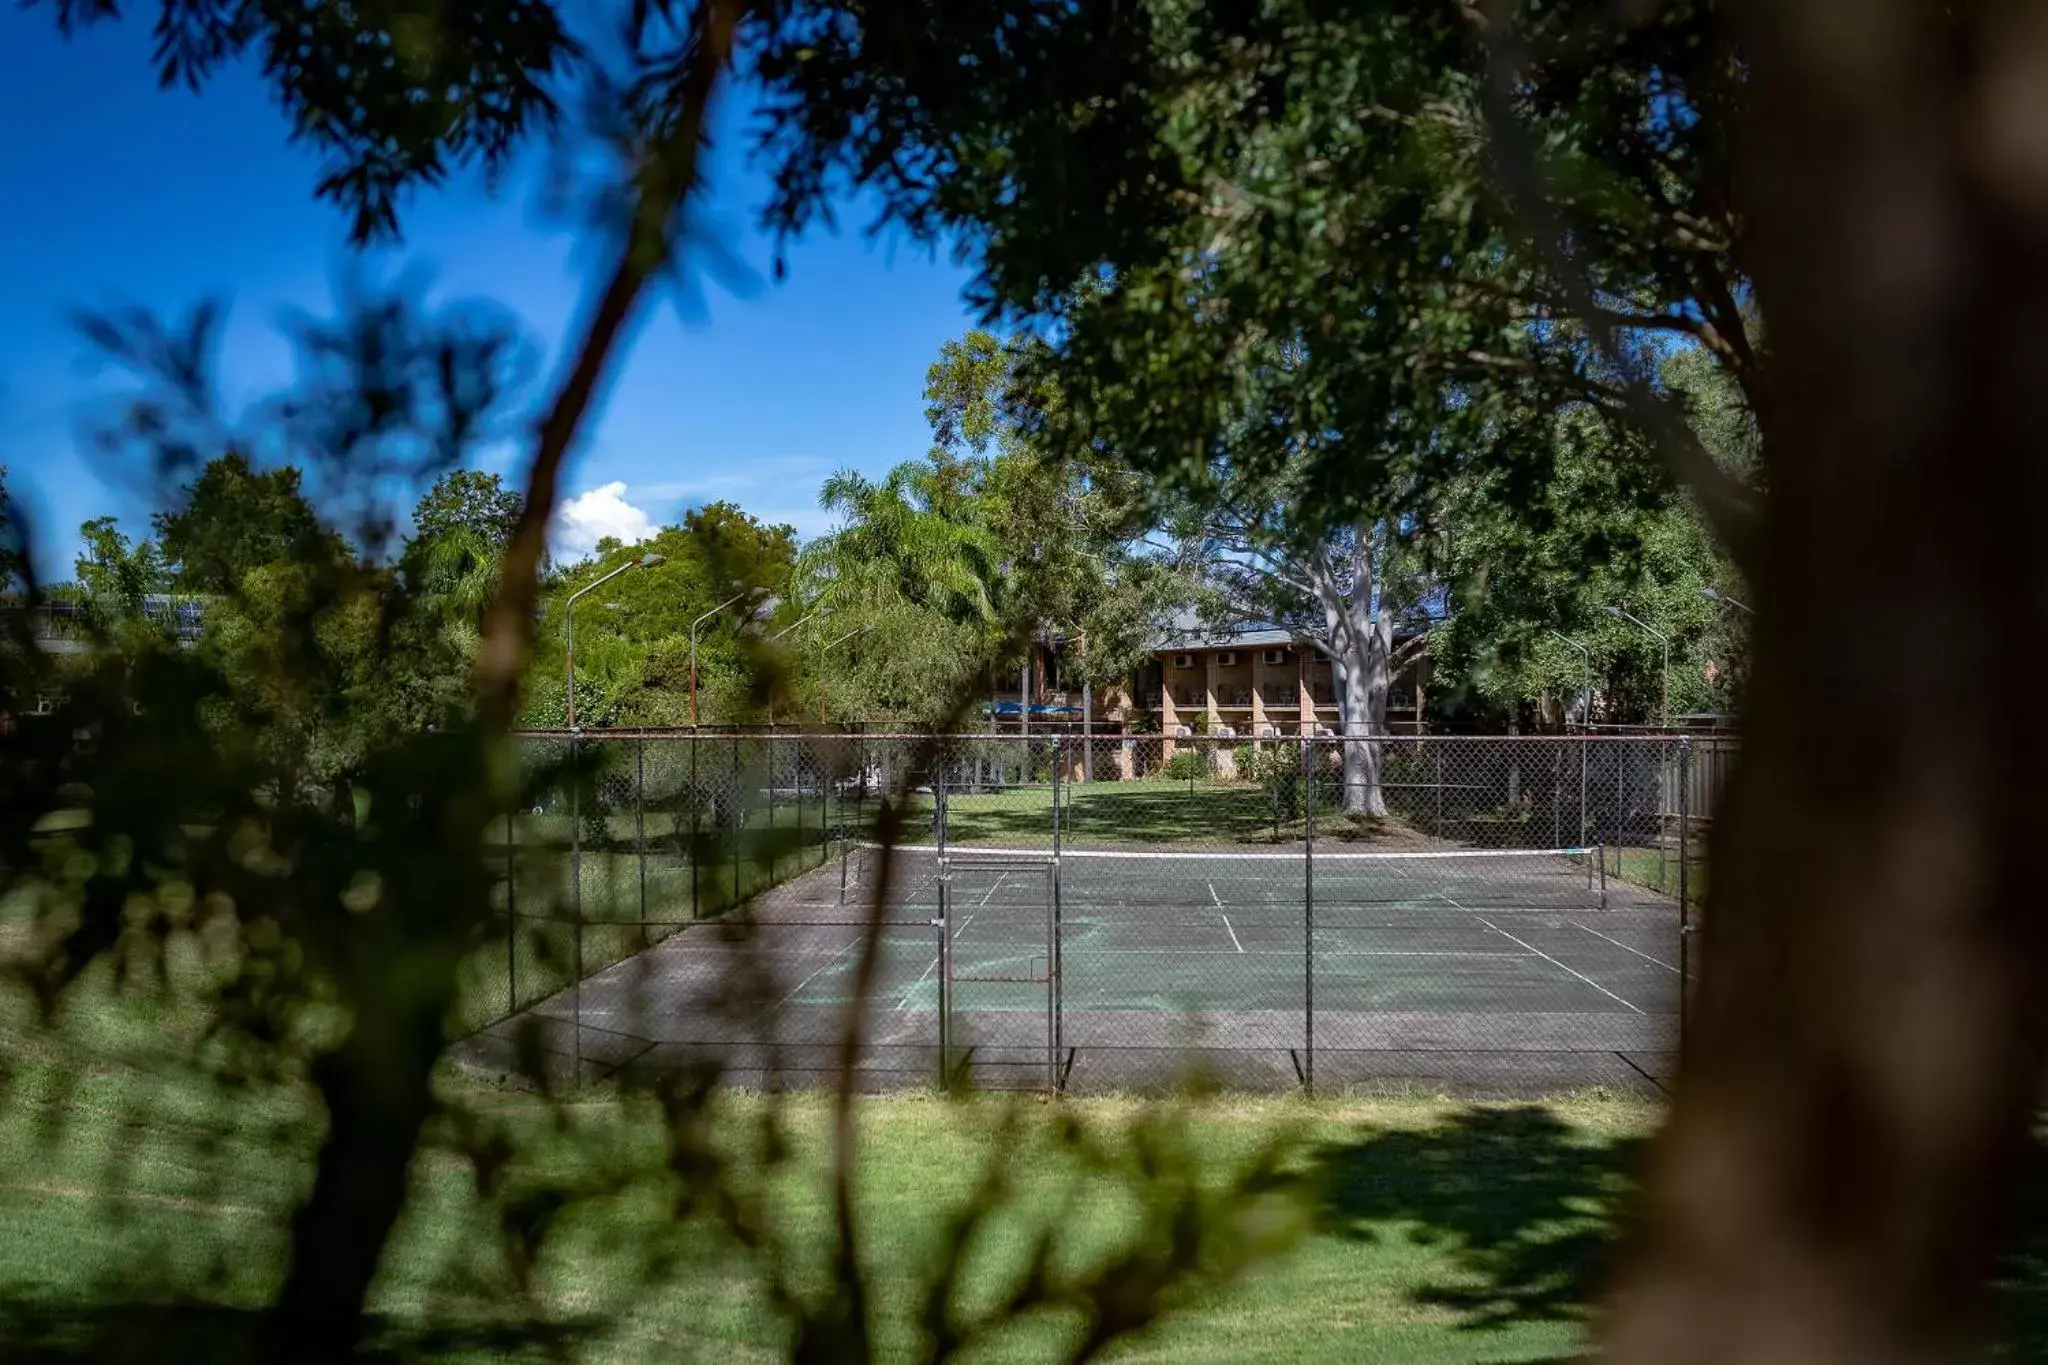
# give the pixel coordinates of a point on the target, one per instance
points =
(1257, 682)
(1252, 682)
(63, 625)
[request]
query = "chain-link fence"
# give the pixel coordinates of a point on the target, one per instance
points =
(1122, 912)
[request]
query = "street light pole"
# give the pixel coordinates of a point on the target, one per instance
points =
(646, 561)
(1662, 639)
(801, 622)
(693, 643)
(1716, 595)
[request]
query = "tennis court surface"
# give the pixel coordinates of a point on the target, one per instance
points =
(1467, 971)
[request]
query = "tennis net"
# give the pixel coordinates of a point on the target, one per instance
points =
(1563, 878)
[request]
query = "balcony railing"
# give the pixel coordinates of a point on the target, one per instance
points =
(62, 623)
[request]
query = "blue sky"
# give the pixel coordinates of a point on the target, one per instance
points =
(120, 194)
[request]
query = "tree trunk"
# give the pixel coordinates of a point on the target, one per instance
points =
(378, 1090)
(1362, 711)
(1867, 1045)
(1359, 633)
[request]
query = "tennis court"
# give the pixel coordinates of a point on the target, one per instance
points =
(1486, 970)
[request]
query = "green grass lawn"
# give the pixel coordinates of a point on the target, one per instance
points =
(1146, 810)
(1212, 810)
(1646, 867)
(140, 1196)
(1439, 1232)
(144, 1197)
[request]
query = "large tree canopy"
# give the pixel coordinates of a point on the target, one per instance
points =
(233, 519)
(951, 563)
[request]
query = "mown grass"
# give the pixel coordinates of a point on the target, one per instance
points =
(1439, 1233)
(1658, 871)
(146, 1198)
(1146, 810)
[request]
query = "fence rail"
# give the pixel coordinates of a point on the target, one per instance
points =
(1472, 914)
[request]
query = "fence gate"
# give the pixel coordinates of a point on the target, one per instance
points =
(999, 972)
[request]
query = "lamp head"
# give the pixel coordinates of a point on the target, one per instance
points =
(651, 558)
(1615, 612)
(1711, 594)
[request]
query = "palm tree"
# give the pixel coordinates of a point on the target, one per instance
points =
(459, 571)
(918, 535)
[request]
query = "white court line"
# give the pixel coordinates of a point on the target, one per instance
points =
(1623, 946)
(1551, 960)
(904, 1003)
(1226, 918)
(828, 962)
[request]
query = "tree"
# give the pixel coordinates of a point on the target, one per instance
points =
(232, 519)
(1309, 166)
(1604, 531)
(959, 559)
(468, 500)
(116, 578)
(1425, 195)
(461, 526)
(632, 643)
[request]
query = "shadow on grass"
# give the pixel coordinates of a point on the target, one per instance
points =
(1529, 1211)
(1525, 1207)
(46, 1333)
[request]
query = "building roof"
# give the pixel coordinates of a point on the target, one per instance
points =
(1243, 637)
(1187, 631)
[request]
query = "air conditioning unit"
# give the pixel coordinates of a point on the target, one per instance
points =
(1227, 657)
(1183, 661)
(1269, 732)
(1276, 656)
(1182, 732)
(1224, 732)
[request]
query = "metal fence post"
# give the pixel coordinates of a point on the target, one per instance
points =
(1059, 1032)
(512, 908)
(1308, 918)
(737, 806)
(1684, 889)
(640, 825)
(576, 904)
(696, 834)
(944, 924)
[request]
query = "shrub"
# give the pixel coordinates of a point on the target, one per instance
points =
(1185, 766)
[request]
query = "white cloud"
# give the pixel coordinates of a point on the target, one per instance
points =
(589, 517)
